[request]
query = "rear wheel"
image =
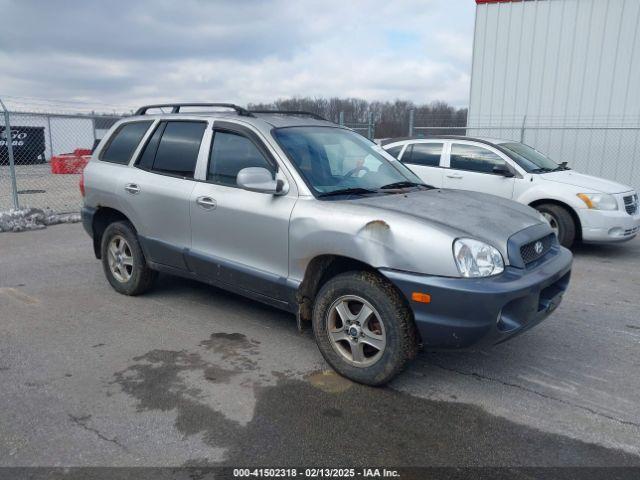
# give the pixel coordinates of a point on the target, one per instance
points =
(561, 222)
(363, 328)
(123, 261)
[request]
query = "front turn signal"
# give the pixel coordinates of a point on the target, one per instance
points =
(421, 297)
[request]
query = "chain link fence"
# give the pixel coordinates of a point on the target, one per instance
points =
(367, 129)
(40, 165)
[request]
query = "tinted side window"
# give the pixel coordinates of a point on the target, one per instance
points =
(124, 142)
(395, 151)
(177, 152)
(473, 158)
(230, 154)
(427, 154)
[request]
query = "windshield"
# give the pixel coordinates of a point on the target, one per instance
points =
(335, 160)
(530, 159)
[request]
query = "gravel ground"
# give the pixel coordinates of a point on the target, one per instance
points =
(191, 375)
(39, 188)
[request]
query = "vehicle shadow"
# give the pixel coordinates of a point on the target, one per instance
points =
(500, 359)
(613, 250)
(170, 287)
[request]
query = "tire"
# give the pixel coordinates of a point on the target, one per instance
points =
(562, 221)
(391, 320)
(132, 275)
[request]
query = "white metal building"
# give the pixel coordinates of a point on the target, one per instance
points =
(569, 71)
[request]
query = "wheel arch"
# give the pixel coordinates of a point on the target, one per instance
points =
(320, 270)
(102, 218)
(567, 207)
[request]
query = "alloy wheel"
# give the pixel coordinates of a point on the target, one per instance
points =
(356, 331)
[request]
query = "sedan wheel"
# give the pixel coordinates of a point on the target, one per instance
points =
(552, 222)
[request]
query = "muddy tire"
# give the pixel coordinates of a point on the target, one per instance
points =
(364, 328)
(123, 261)
(561, 221)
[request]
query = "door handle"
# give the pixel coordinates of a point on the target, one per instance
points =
(458, 177)
(207, 203)
(132, 188)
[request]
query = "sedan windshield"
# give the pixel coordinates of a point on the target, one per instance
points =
(530, 159)
(335, 161)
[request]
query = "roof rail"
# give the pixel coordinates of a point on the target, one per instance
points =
(175, 107)
(291, 112)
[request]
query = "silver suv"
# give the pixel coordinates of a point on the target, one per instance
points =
(292, 210)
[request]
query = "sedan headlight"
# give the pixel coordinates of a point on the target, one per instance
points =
(476, 258)
(599, 201)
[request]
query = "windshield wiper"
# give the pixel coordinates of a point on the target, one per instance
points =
(403, 184)
(347, 191)
(543, 170)
(562, 166)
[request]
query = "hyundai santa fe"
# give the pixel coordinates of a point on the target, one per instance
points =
(294, 211)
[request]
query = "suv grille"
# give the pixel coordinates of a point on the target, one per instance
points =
(529, 252)
(631, 204)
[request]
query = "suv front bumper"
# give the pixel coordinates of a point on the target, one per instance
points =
(476, 311)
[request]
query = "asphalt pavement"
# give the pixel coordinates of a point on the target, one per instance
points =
(191, 375)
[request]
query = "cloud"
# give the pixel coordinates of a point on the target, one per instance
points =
(130, 52)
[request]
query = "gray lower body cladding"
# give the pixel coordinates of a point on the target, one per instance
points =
(465, 312)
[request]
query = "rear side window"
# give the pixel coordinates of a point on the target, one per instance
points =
(173, 148)
(124, 142)
(426, 154)
(230, 154)
(395, 151)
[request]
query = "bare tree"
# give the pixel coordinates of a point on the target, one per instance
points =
(391, 118)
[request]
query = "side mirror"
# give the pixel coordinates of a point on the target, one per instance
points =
(502, 170)
(259, 179)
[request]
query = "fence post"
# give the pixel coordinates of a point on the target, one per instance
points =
(93, 127)
(50, 136)
(341, 119)
(370, 126)
(524, 122)
(412, 114)
(12, 165)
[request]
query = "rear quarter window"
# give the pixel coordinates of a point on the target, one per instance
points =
(124, 142)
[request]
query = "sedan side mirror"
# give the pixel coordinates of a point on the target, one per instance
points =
(502, 170)
(259, 179)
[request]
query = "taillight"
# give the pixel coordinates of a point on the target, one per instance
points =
(81, 184)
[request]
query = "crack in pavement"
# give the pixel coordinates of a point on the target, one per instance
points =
(540, 394)
(81, 421)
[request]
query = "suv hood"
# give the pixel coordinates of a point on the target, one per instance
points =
(587, 182)
(462, 213)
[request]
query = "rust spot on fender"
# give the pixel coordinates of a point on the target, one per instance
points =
(377, 225)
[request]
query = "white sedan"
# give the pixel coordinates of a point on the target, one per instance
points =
(579, 207)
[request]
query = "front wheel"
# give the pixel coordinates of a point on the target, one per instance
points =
(561, 222)
(363, 328)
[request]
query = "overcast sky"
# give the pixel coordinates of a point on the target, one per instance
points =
(136, 51)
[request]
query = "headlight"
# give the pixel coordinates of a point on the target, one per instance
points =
(599, 201)
(476, 258)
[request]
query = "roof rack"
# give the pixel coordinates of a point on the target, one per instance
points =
(291, 112)
(175, 107)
